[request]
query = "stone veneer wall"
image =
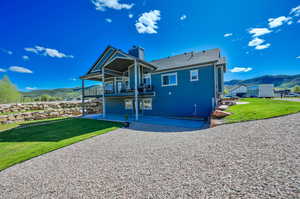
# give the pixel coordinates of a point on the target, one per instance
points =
(10, 113)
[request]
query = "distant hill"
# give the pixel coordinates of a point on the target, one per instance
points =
(65, 93)
(279, 81)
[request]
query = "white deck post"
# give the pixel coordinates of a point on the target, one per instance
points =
(136, 90)
(103, 92)
(82, 90)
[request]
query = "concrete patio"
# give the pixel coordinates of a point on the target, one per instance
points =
(193, 124)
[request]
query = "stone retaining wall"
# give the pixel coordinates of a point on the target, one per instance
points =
(11, 113)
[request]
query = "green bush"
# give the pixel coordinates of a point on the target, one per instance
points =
(8, 92)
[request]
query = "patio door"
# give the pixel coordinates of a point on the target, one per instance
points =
(119, 86)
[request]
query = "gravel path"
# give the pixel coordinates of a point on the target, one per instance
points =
(258, 159)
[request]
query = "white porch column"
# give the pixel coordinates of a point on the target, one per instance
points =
(136, 90)
(103, 92)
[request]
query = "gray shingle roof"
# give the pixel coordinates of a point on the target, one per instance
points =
(191, 58)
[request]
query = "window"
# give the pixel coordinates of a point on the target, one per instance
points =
(169, 79)
(194, 75)
(146, 104)
(147, 79)
(128, 104)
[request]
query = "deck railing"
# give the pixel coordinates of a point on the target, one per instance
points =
(94, 91)
(97, 91)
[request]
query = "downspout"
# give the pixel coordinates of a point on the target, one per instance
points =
(215, 87)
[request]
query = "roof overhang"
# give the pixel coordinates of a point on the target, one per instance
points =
(119, 64)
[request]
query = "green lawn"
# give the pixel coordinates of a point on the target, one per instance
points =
(261, 109)
(17, 124)
(20, 144)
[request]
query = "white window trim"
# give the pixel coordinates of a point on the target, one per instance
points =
(143, 107)
(131, 104)
(191, 71)
(148, 75)
(168, 74)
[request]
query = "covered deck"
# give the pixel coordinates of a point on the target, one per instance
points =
(119, 75)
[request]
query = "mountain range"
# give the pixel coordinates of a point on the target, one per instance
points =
(65, 93)
(279, 81)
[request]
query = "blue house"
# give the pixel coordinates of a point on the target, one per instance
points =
(185, 85)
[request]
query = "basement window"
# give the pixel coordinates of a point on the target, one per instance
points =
(128, 104)
(146, 104)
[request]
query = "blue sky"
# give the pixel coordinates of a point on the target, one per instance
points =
(49, 44)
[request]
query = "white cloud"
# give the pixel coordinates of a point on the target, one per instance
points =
(112, 4)
(259, 31)
(298, 57)
(279, 21)
(256, 41)
(73, 79)
(39, 50)
(33, 50)
(2, 70)
(147, 23)
(130, 16)
(25, 57)
(290, 22)
(295, 11)
(240, 69)
(263, 46)
(20, 69)
(228, 35)
(183, 17)
(30, 88)
(108, 20)
(298, 21)
(9, 52)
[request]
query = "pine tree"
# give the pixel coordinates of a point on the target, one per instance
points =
(8, 91)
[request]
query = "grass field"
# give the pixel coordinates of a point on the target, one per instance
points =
(20, 144)
(261, 109)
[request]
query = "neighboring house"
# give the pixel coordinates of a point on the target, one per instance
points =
(282, 92)
(261, 90)
(238, 91)
(188, 84)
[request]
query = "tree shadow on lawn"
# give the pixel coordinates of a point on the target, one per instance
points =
(56, 131)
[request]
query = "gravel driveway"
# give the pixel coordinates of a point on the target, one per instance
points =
(258, 159)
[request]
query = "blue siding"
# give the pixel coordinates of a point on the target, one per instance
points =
(177, 100)
(116, 106)
(180, 100)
